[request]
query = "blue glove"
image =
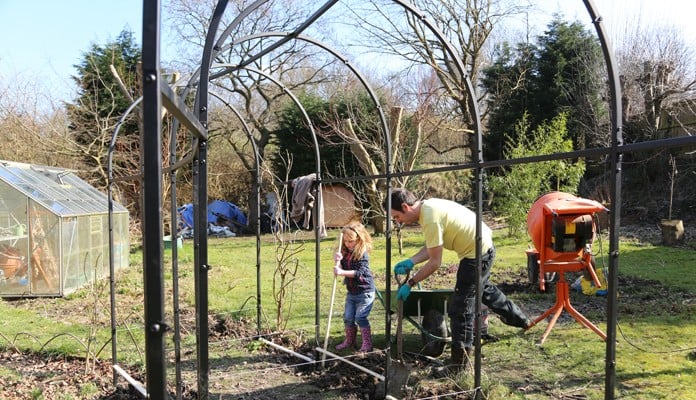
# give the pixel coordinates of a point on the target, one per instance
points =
(403, 292)
(403, 267)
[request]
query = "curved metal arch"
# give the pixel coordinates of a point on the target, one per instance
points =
(387, 150)
(201, 105)
(110, 201)
(336, 54)
(385, 129)
(615, 212)
(406, 5)
(479, 152)
(367, 87)
(259, 182)
(200, 209)
(409, 8)
(317, 241)
(296, 34)
(192, 83)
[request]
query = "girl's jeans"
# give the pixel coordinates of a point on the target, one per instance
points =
(358, 307)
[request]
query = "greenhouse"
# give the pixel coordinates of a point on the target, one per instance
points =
(54, 231)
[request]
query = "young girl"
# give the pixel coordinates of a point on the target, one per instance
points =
(354, 266)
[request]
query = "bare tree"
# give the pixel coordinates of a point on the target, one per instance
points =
(466, 24)
(425, 134)
(658, 77)
(658, 85)
(31, 122)
(250, 89)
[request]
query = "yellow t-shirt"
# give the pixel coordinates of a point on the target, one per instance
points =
(453, 226)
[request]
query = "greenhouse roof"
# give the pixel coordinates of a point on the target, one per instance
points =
(59, 190)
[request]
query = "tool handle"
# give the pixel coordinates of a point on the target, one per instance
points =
(399, 321)
(333, 295)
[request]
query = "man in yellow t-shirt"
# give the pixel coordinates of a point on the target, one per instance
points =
(449, 225)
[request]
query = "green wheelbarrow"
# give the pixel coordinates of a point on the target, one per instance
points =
(427, 311)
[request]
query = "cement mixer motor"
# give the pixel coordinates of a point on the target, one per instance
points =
(561, 226)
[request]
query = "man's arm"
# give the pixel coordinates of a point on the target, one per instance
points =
(434, 260)
(421, 256)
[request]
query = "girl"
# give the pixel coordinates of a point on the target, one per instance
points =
(353, 263)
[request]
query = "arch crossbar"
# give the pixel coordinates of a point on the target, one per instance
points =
(201, 104)
(156, 95)
(458, 64)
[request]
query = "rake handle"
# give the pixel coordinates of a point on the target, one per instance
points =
(333, 295)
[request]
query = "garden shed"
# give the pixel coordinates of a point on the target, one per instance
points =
(54, 231)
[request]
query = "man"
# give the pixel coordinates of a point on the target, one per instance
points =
(449, 225)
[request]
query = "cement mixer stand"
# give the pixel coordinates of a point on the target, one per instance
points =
(562, 228)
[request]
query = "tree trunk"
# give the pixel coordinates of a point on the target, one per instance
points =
(672, 231)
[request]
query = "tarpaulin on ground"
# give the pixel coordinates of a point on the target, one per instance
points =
(222, 212)
(223, 217)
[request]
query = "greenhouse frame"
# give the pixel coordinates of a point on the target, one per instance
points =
(55, 231)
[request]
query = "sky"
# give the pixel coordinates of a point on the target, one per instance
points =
(616, 13)
(44, 44)
(43, 39)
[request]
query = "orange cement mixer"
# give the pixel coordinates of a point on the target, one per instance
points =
(562, 229)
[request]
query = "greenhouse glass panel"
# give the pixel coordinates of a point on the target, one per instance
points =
(54, 232)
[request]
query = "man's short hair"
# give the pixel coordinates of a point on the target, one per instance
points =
(399, 197)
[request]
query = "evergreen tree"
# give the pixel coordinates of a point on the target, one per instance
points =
(569, 80)
(99, 99)
(515, 191)
(560, 74)
(294, 137)
(94, 115)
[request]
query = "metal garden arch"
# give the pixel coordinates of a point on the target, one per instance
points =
(156, 94)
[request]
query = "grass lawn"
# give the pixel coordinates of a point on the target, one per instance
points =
(655, 354)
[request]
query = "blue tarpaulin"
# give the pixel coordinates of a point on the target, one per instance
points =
(224, 219)
(220, 212)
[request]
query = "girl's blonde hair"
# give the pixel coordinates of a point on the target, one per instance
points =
(357, 231)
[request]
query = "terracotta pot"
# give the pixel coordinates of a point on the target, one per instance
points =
(10, 261)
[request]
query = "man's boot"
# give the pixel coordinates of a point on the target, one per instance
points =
(351, 332)
(366, 340)
(517, 320)
(510, 314)
(460, 360)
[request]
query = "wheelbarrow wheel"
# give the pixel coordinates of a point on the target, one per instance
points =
(533, 270)
(434, 324)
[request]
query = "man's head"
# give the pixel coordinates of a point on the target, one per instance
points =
(404, 209)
